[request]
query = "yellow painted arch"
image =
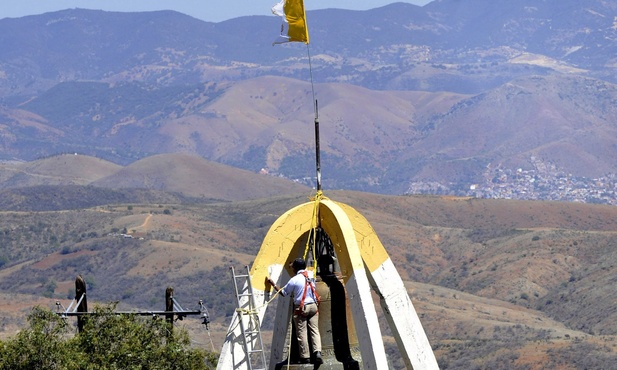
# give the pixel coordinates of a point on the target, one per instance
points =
(360, 253)
(286, 239)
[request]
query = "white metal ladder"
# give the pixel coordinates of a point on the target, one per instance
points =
(249, 321)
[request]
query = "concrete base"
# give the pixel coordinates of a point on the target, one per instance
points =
(329, 363)
(325, 366)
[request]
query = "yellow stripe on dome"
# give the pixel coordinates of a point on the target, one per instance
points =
(284, 235)
(278, 245)
(373, 252)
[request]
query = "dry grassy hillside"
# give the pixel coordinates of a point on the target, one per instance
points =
(64, 169)
(497, 284)
(565, 120)
(277, 116)
(163, 178)
(198, 177)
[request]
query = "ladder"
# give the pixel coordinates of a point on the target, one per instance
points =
(249, 321)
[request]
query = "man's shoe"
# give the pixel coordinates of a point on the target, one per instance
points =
(304, 361)
(279, 365)
(318, 359)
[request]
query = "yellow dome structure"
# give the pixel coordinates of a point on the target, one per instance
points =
(364, 266)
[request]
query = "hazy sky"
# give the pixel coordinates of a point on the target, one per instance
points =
(208, 10)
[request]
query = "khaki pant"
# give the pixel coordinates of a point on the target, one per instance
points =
(309, 318)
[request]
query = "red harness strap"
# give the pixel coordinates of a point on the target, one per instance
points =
(308, 284)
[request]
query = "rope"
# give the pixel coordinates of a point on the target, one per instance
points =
(211, 342)
(255, 310)
(314, 221)
(289, 341)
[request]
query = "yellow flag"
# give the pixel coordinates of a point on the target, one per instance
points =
(294, 27)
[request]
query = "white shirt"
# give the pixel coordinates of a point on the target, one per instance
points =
(295, 288)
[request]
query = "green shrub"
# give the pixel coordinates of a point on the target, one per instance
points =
(40, 345)
(108, 341)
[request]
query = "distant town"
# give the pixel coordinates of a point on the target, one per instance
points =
(544, 181)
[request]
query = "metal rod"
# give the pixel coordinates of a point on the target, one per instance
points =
(317, 150)
(70, 306)
(81, 297)
(137, 313)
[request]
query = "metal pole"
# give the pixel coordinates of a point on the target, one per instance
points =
(80, 296)
(317, 154)
(169, 307)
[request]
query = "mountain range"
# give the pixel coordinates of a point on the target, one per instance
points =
(146, 150)
(406, 94)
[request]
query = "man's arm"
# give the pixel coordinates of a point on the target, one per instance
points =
(271, 282)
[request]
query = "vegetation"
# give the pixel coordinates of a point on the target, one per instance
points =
(108, 341)
(488, 293)
(106, 104)
(55, 198)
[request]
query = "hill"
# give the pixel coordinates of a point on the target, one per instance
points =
(491, 98)
(72, 181)
(439, 98)
(371, 48)
(497, 283)
(65, 169)
(383, 141)
(549, 118)
(199, 178)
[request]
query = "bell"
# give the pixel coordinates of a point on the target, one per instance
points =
(339, 343)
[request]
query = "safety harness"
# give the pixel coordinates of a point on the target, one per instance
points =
(308, 284)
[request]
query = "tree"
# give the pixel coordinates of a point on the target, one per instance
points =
(108, 341)
(40, 345)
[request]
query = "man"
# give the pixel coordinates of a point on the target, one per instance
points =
(301, 287)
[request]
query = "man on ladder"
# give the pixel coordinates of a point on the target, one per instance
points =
(301, 287)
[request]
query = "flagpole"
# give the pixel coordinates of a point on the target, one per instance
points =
(316, 110)
(294, 29)
(317, 155)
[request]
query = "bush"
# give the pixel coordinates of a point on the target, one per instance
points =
(108, 341)
(39, 346)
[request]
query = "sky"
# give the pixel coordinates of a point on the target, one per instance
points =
(207, 10)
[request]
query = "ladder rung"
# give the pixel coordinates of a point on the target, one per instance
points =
(254, 332)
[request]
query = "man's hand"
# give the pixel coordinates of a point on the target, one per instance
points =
(271, 282)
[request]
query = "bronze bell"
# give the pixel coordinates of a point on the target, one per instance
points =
(338, 335)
